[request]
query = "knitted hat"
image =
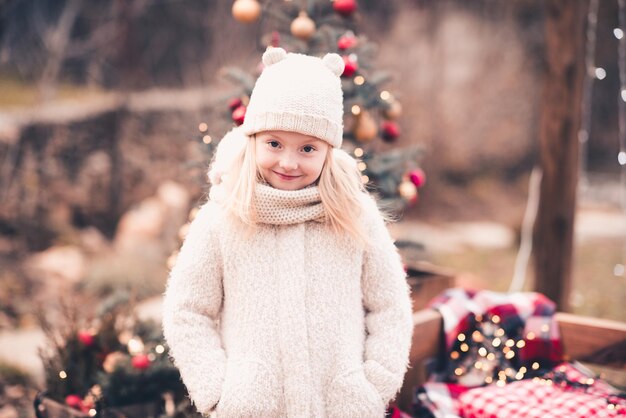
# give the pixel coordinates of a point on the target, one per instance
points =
(298, 93)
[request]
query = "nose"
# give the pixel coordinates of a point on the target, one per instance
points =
(288, 162)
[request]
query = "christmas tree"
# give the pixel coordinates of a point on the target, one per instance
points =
(317, 27)
(114, 360)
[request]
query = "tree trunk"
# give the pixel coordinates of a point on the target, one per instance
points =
(559, 147)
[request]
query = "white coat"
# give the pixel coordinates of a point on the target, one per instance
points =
(291, 321)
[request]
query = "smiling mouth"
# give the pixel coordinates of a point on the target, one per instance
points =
(285, 176)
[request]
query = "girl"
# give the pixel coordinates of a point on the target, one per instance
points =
(288, 297)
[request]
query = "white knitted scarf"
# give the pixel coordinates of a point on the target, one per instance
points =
(287, 207)
(282, 207)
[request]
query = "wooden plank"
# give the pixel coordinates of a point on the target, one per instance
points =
(582, 336)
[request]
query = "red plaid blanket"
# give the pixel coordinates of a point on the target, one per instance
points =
(505, 339)
(527, 316)
(568, 391)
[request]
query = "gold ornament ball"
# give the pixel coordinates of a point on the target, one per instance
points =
(394, 111)
(366, 128)
(407, 190)
(246, 11)
(303, 26)
(112, 360)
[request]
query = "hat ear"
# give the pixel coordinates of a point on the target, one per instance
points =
(335, 63)
(273, 55)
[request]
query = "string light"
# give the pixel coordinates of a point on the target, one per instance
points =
(62, 374)
(600, 73)
(359, 80)
(618, 268)
(356, 110)
(159, 349)
(358, 152)
(203, 127)
(135, 346)
(385, 95)
(361, 166)
(591, 72)
(461, 337)
(207, 139)
(365, 179)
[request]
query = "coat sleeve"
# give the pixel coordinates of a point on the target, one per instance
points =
(191, 308)
(387, 302)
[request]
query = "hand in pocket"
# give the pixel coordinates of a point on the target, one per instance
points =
(351, 395)
(250, 391)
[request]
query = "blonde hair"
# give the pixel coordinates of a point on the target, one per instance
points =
(340, 186)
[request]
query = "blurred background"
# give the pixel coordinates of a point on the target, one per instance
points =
(109, 112)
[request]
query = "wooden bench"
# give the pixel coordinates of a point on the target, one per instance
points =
(581, 337)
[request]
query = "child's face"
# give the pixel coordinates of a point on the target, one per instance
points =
(290, 160)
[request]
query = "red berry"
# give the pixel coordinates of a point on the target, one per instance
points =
(140, 361)
(86, 338)
(344, 7)
(390, 131)
(417, 177)
(74, 401)
(346, 42)
(234, 103)
(350, 67)
(239, 114)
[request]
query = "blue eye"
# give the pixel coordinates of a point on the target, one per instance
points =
(273, 144)
(308, 149)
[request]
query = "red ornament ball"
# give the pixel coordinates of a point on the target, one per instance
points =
(239, 114)
(417, 177)
(346, 42)
(350, 67)
(390, 131)
(234, 103)
(140, 361)
(344, 7)
(86, 337)
(74, 401)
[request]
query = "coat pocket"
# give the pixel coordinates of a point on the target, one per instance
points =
(250, 390)
(350, 394)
